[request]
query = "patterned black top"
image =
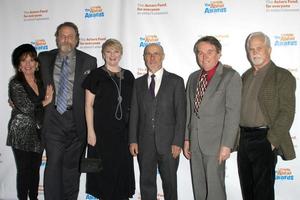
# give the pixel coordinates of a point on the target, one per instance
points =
(22, 129)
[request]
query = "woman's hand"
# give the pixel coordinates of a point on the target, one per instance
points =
(92, 138)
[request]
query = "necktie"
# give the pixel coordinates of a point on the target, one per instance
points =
(62, 94)
(152, 86)
(201, 87)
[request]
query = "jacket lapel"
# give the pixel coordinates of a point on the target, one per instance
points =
(214, 82)
(268, 80)
(194, 82)
(267, 85)
(78, 73)
(144, 91)
(163, 84)
(51, 66)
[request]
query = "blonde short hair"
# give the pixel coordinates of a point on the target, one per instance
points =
(112, 43)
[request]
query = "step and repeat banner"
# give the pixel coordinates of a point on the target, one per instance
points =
(176, 25)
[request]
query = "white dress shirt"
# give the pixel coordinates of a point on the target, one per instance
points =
(157, 78)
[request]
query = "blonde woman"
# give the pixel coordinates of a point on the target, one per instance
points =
(108, 96)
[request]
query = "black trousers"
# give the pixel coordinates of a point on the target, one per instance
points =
(63, 151)
(28, 173)
(256, 165)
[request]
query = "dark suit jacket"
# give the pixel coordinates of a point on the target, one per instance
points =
(84, 64)
(277, 101)
(166, 121)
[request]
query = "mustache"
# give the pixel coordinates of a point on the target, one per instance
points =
(65, 44)
(256, 57)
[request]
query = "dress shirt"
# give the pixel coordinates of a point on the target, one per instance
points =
(157, 78)
(211, 73)
(251, 113)
(57, 71)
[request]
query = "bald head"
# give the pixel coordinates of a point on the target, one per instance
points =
(153, 57)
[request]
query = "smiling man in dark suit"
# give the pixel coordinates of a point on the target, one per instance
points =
(64, 129)
(157, 124)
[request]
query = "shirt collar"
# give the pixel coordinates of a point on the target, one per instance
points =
(158, 74)
(69, 55)
(261, 70)
(211, 72)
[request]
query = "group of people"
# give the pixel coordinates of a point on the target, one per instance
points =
(63, 103)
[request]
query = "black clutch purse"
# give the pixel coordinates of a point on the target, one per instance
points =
(91, 165)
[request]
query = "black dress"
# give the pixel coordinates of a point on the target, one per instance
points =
(116, 180)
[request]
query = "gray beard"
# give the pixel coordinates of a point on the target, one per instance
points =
(65, 49)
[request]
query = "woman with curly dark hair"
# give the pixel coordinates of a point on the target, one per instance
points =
(28, 97)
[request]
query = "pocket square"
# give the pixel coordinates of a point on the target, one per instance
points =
(86, 72)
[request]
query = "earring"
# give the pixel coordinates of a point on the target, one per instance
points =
(19, 69)
(37, 68)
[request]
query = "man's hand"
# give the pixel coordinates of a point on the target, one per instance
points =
(186, 149)
(176, 151)
(133, 148)
(224, 154)
(273, 147)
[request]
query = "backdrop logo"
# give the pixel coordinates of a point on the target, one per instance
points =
(144, 41)
(286, 39)
(44, 160)
(296, 72)
(93, 12)
(214, 7)
(41, 189)
(33, 15)
(152, 8)
(90, 197)
(160, 196)
(294, 138)
(284, 174)
(91, 42)
(141, 71)
(40, 45)
(223, 38)
(282, 5)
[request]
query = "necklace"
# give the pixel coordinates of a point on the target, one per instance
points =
(118, 112)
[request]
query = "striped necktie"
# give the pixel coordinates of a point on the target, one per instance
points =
(62, 94)
(201, 88)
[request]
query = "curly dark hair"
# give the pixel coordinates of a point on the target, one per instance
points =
(20, 52)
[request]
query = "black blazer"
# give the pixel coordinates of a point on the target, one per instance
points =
(22, 131)
(84, 64)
